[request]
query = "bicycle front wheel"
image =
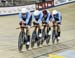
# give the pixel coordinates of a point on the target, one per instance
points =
(20, 41)
(53, 36)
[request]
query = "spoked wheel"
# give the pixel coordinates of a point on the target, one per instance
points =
(20, 41)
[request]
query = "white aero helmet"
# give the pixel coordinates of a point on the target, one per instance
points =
(54, 12)
(36, 13)
(24, 10)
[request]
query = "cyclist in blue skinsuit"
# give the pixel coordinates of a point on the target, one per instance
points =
(47, 18)
(37, 16)
(57, 18)
(25, 19)
(37, 20)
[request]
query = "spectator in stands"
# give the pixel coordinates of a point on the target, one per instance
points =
(43, 0)
(3, 2)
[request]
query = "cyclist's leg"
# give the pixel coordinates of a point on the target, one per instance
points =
(39, 29)
(34, 23)
(54, 25)
(50, 27)
(59, 29)
(40, 42)
(43, 27)
(46, 27)
(28, 34)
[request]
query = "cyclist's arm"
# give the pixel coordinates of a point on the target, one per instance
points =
(59, 17)
(28, 18)
(49, 16)
(20, 17)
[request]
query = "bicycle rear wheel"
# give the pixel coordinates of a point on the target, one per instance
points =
(38, 41)
(48, 39)
(53, 36)
(43, 37)
(33, 40)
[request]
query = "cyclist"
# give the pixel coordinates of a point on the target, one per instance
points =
(25, 19)
(46, 17)
(46, 21)
(57, 18)
(37, 20)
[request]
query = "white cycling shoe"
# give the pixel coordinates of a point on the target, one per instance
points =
(40, 35)
(28, 43)
(50, 32)
(59, 38)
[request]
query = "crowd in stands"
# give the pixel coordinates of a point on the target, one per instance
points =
(6, 3)
(9, 3)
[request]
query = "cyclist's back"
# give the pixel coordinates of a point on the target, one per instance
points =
(37, 16)
(57, 17)
(27, 18)
(46, 16)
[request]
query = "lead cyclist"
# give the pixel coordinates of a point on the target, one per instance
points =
(25, 19)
